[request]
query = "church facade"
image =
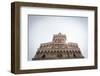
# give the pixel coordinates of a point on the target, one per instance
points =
(58, 48)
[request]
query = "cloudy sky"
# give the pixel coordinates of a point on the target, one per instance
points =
(41, 29)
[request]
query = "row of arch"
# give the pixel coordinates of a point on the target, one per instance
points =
(55, 55)
(58, 45)
(59, 51)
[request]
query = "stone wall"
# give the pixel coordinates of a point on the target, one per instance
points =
(58, 49)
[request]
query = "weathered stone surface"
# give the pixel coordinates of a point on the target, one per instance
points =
(58, 49)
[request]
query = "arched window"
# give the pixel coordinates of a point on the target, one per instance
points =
(43, 56)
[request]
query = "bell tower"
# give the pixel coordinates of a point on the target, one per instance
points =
(59, 38)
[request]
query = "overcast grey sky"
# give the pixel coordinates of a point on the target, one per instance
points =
(41, 29)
